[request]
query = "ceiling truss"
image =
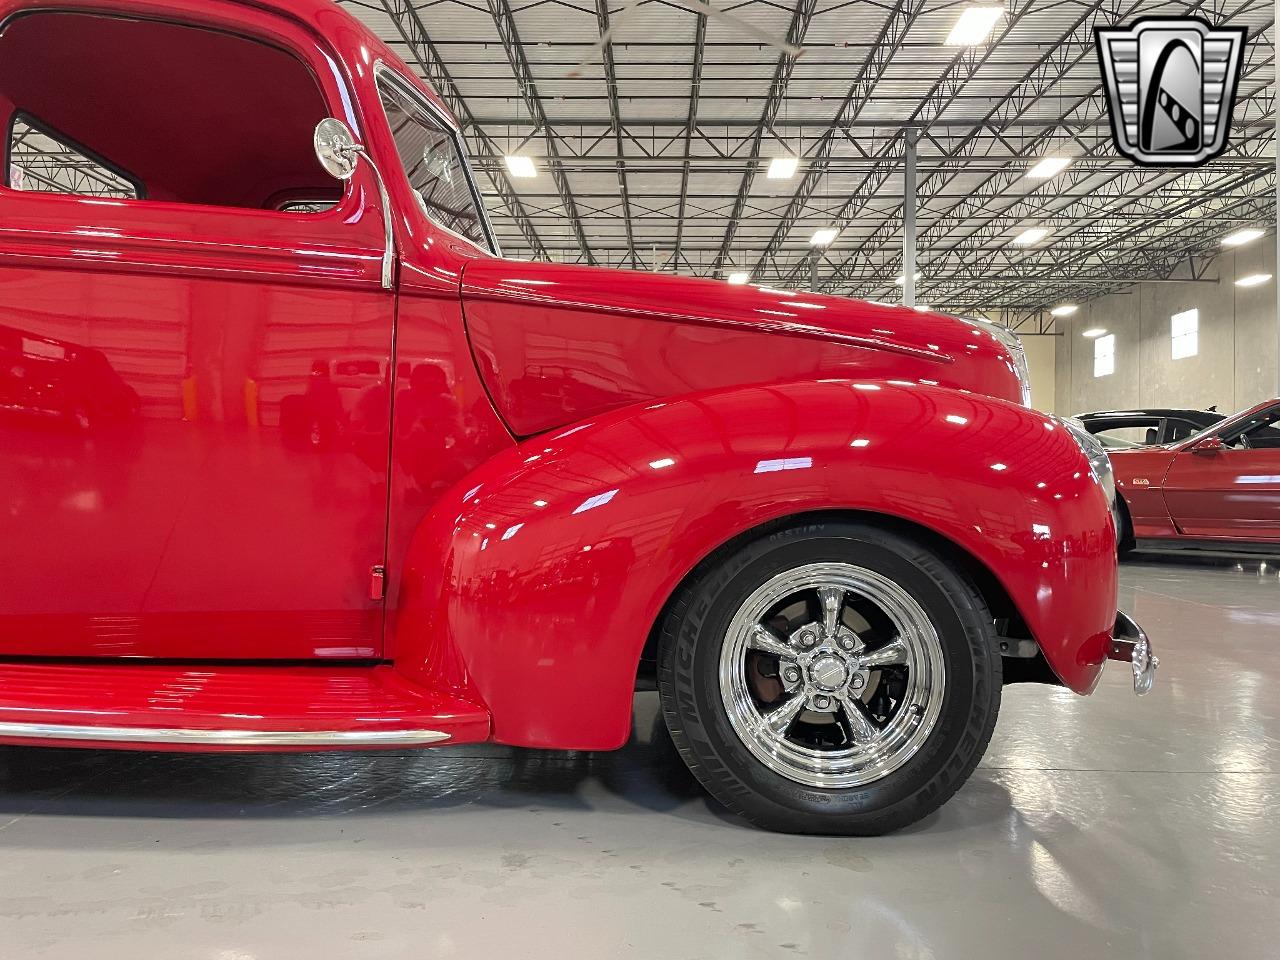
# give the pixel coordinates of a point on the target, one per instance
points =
(653, 155)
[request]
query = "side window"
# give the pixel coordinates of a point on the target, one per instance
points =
(435, 164)
(1104, 355)
(1259, 432)
(42, 160)
(102, 105)
(1130, 435)
(1184, 334)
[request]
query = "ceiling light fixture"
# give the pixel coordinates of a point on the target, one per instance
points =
(974, 26)
(1030, 236)
(1253, 280)
(1094, 333)
(1063, 310)
(824, 237)
(739, 277)
(782, 168)
(1048, 167)
(1241, 237)
(902, 279)
(519, 166)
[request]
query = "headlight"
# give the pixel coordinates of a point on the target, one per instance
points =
(1017, 355)
(1096, 454)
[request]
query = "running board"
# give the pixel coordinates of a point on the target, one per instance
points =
(195, 739)
(197, 708)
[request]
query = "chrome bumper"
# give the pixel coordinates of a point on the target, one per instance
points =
(1128, 642)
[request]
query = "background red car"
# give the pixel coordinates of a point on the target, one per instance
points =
(1219, 486)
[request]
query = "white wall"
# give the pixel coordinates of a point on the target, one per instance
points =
(1042, 364)
(1236, 363)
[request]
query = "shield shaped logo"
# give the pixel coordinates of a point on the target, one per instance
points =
(1171, 87)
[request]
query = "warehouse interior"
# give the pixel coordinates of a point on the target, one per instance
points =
(957, 158)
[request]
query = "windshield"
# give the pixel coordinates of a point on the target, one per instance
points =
(1260, 425)
(434, 163)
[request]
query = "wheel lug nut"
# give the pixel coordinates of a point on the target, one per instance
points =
(821, 703)
(857, 683)
(791, 675)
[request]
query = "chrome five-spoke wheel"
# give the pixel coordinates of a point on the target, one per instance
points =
(832, 675)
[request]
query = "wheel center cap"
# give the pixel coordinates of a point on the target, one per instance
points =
(828, 673)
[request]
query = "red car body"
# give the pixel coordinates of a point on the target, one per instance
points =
(339, 515)
(1203, 491)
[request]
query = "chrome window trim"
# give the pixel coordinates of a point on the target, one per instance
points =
(381, 70)
(220, 738)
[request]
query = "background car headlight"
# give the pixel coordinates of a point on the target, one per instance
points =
(1095, 453)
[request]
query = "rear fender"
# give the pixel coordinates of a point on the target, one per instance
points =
(535, 582)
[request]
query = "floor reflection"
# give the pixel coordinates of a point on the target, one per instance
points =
(648, 772)
(1100, 827)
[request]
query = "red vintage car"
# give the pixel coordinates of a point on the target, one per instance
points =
(1219, 488)
(833, 528)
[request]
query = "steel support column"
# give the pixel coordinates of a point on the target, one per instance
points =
(909, 219)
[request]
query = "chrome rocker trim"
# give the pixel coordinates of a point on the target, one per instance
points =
(222, 738)
(1130, 643)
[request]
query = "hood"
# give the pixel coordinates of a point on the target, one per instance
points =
(613, 336)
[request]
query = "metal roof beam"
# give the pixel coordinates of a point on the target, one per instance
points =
(615, 116)
(505, 21)
(962, 68)
(1148, 251)
(892, 34)
(996, 185)
(1043, 207)
(1074, 47)
(410, 27)
(1045, 73)
(690, 123)
(800, 19)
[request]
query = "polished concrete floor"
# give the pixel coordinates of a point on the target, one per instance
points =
(1099, 827)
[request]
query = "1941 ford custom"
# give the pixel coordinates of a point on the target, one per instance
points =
(291, 458)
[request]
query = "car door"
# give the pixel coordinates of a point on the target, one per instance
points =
(1231, 491)
(184, 362)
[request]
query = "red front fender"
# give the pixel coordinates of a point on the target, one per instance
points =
(535, 582)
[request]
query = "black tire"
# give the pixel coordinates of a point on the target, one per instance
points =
(688, 678)
(1125, 543)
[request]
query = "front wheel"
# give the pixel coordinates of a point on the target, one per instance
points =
(834, 678)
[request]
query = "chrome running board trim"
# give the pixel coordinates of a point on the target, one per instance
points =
(222, 738)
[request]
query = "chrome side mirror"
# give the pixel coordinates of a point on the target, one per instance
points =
(336, 148)
(338, 153)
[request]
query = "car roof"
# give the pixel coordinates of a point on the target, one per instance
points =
(1190, 414)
